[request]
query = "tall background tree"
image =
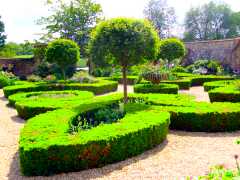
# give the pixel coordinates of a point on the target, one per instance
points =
(2, 34)
(72, 20)
(162, 16)
(125, 42)
(211, 21)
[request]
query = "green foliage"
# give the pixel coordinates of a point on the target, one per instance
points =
(83, 77)
(156, 88)
(101, 87)
(2, 34)
(226, 93)
(205, 67)
(104, 144)
(7, 79)
(182, 83)
(14, 50)
(130, 79)
(216, 84)
(220, 172)
(127, 41)
(124, 42)
(179, 69)
(65, 53)
(161, 15)
(211, 21)
(171, 49)
(73, 20)
(96, 117)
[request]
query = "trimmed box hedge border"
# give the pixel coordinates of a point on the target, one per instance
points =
(101, 87)
(156, 88)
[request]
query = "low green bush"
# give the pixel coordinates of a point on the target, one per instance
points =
(228, 93)
(7, 79)
(182, 83)
(216, 84)
(101, 87)
(156, 88)
(48, 97)
(47, 147)
(199, 80)
(220, 172)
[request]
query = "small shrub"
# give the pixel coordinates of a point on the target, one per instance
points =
(205, 67)
(83, 77)
(156, 88)
(34, 78)
(171, 49)
(65, 53)
(179, 69)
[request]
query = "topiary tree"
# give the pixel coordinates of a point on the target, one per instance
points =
(171, 49)
(125, 42)
(65, 53)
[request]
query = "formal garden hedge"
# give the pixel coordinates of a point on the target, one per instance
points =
(100, 87)
(182, 83)
(156, 88)
(144, 126)
(47, 147)
(228, 93)
(216, 84)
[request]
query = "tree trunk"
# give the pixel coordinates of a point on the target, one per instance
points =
(124, 71)
(64, 75)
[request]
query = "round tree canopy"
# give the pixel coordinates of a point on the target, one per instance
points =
(63, 52)
(123, 41)
(171, 49)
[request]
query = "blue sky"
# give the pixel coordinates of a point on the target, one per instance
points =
(20, 16)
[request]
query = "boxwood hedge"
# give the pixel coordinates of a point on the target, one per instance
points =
(216, 84)
(47, 147)
(27, 109)
(101, 87)
(228, 93)
(199, 80)
(156, 88)
(182, 83)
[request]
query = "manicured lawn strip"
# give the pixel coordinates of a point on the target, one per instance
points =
(100, 87)
(228, 93)
(50, 96)
(46, 147)
(156, 88)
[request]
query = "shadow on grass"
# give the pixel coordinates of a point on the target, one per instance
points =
(14, 172)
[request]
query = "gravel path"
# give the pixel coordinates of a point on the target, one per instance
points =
(182, 154)
(198, 92)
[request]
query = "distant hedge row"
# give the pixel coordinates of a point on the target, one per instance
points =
(156, 88)
(101, 87)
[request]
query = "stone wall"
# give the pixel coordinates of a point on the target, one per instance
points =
(226, 51)
(20, 67)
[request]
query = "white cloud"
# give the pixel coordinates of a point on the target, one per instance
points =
(20, 16)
